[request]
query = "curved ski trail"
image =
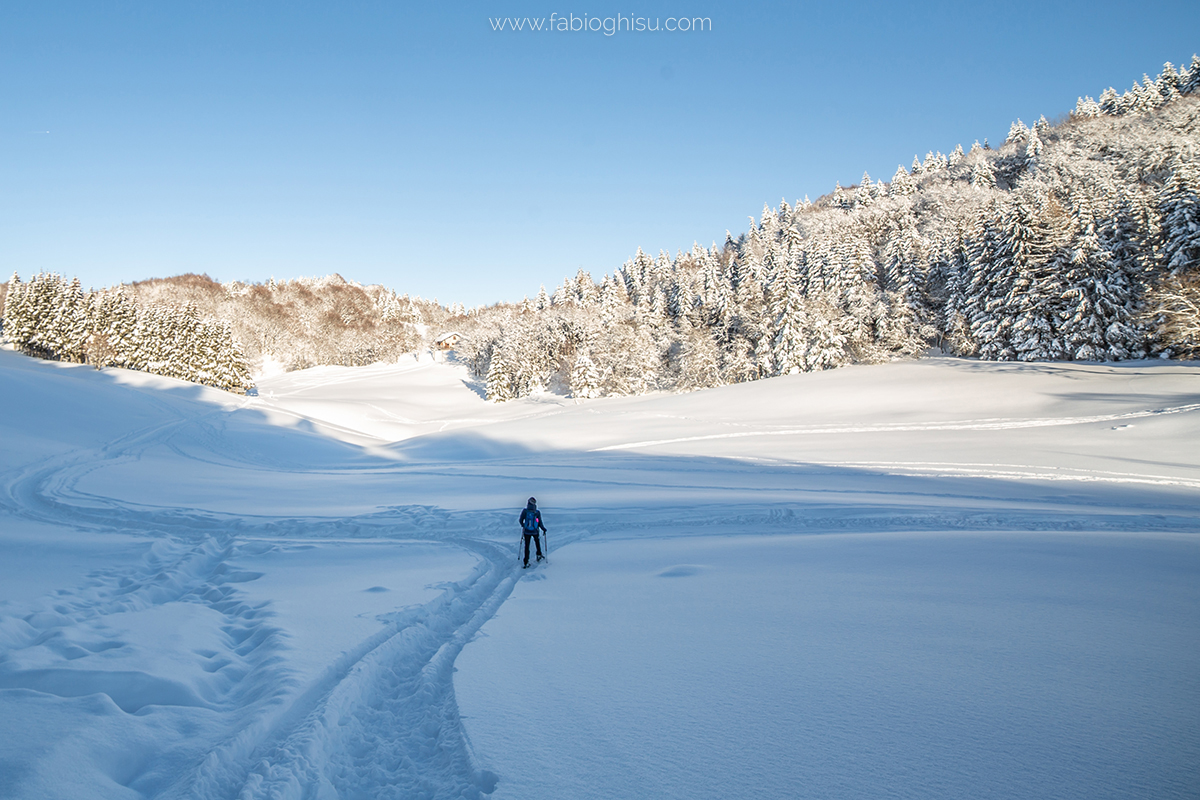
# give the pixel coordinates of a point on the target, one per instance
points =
(382, 721)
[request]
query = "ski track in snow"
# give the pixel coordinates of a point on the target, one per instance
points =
(382, 721)
(963, 425)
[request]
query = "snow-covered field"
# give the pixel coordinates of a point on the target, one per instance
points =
(934, 579)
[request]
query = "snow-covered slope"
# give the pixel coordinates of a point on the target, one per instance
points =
(930, 579)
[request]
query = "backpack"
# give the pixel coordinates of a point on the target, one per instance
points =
(529, 520)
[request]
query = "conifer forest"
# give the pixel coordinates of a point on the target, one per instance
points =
(1072, 240)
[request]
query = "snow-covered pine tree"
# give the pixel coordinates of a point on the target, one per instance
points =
(825, 340)
(655, 313)
(47, 290)
(637, 278)
(711, 290)
(153, 338)
(118, 323)
(858, 258)
(585, 289)
(817, 264)
(500, 377)
(565, 293)
(986, 287)
(1086, 107)
(679, 298)
(788, 343)
(68, 326)
(209, 347)
(1126, 234)
(1190, 82)
(22, 329)
(18, 326)
(770, 223)
(47, 294)
(233, 372)
(1110, 102)
(909, 310)
(585, 377)
(748, 288)
(901, 255)
(1167, 83)
(982, 174)
(953, 323)
(612, 301)
(1017, 256)
(1096, 318)
(865, 194)
(1037, 258)
(1033, 150)
(902, 183)
(1149, 98)
(192, 333)
(1017, 132)
(869, 325)
(1179, 202)
(28, 328)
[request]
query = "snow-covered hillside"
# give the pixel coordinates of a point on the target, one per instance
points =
(940, 578)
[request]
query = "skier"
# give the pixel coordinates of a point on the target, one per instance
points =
(531, 520)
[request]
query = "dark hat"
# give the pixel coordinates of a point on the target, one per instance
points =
(533, 501)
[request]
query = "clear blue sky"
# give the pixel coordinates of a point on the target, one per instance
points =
(412, 145)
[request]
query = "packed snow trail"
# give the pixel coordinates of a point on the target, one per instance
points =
(388, 700)
(293, 732)
(157, 668)
(382, 721)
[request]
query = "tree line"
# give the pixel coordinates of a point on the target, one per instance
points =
(1071, 241)
(52, 317)
(194, 328)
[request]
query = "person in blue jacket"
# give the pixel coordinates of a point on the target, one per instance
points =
(531, 520)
